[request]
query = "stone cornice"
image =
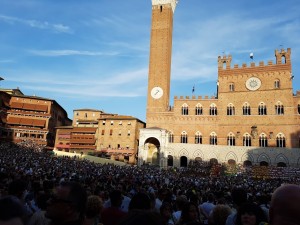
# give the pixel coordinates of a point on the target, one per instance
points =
(163, 2)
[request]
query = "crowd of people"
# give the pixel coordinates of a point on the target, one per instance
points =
(38, 188)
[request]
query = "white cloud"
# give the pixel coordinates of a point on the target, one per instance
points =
(59, 28)
(69, 52)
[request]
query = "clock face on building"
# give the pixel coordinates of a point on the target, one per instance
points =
(157, 92)
(253, 83)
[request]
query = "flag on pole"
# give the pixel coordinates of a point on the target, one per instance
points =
(193, 90)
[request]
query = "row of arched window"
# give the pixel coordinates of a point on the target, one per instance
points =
(261, 110)
(213, 139)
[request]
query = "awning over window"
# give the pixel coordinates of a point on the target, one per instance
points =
(17, 105)
(13, 120)
(39, 123)
(26, 122)
(84, 130)
(42, 108)
(28, 106)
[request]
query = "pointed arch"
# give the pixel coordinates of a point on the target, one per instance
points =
(198, 153)
(263, 158)
(263, 140)
(230, 109)
(198, 137)
(279, 108)
(262, 109)
(213, 109)
(231, 139)
(183, 137)
(213, 139)
(185, 109)
(199, 109)
(246, 139)
(231, 155)
(246, 109)
(281, 158)
(280, 140)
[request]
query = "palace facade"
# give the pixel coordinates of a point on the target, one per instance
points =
(30, 118)
(253, 119)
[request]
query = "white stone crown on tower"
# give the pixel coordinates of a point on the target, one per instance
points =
(163, 2)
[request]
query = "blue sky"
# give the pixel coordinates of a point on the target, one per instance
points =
(95, 53)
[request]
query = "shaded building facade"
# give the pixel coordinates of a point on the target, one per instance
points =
(30, 118)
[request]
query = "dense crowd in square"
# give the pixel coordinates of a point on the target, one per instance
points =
(123, 194)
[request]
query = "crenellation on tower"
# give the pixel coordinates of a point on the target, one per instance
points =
(224, 61)
(283, 63)
(282, 56)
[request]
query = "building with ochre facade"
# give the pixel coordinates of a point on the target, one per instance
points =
(253, 119)
(107, 135)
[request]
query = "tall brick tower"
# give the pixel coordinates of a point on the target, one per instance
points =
(160, 58)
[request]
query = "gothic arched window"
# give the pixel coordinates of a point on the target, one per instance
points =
(263, 140)
(184, 109)
(198, 138)
(280, 140)
(213, 139)
(213, 110)
(183, 137)
(246, 140)
(262, 109)
(246, 109)
(231, 139)
(199, 109)
(230, 109)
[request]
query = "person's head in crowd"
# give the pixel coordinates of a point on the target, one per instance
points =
(238, 196)
(94, 206)
(190, 213)
(143, 217)
(67, 203)
(219, 215)
(152, 200)
(140, 201)
(166, 211)
(250, 214)
(18, 188)
(285, 205)
(41, 201)
(116, 198)
(211, 198)
(180, 202)
(12, 211)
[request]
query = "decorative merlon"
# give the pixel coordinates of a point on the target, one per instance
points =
(164, 2)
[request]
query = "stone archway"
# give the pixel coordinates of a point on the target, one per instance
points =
(183, 161)
(263, 163)
(170, 160)
(231, 162)
(153, 151)
(281, 164)
(213, 161)
(247, 163)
